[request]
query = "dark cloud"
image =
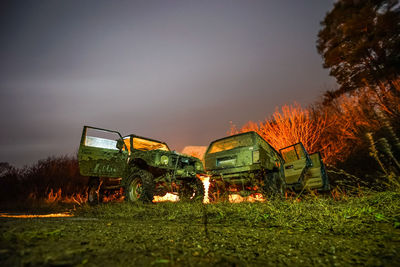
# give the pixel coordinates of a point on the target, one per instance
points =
(173, 70)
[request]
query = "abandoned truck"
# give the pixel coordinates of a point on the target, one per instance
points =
(247, 163)
(141, 166)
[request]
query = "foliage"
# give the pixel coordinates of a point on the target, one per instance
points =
(348, 117)
(291, 125)
(10, 183)
(360, 43)
(332, 130)
(314, 231)
(385, 155)
(338, 130)
(45, 180)
(341, 214)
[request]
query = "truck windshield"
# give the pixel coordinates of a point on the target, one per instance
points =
(145, 144)
(231, 143)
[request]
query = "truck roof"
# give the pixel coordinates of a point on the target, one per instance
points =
(245, 133)
(235, 135)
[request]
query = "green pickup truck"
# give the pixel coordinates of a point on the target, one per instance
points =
(245, 163)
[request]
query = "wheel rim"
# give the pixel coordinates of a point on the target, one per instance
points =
(135, 189)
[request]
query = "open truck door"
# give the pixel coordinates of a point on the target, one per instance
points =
(316, 175)
(297, 163)
(303, 171)
(102, 153)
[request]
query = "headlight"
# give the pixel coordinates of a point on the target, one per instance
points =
(164, 160)
(256, 156)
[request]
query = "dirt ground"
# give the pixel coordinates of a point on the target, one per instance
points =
(90, 241)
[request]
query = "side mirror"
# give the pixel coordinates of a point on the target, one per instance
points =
(120, 144)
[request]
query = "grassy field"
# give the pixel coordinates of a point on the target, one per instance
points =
(314, 231)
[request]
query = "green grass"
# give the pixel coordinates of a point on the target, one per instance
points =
(323, 214)
(316, 231)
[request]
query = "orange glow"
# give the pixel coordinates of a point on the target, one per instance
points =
(113, 198)
(256, 197)
(291, 125)
(79, 199)
(52, 215)
(338, 194)
(195, 151)
(325, 130)
(206, 183)
(117, 196)
(333, 128)
(56, 196)
(168, 197)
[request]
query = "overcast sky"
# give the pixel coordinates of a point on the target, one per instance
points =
(178, 71)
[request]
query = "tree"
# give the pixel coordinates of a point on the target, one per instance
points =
(360, 43)
(288, 126)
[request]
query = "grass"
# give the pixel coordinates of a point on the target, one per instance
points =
(350, 216)
(318, 231)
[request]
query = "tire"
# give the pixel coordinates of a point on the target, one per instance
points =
(139, 186)
(95, 196)
(192, 191)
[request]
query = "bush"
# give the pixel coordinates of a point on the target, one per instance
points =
(37, 182)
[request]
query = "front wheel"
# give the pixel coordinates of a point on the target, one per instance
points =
(139, 186)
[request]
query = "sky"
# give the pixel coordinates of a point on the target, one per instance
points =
(176, 71)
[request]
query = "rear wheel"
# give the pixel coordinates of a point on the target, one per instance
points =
(139, 186)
